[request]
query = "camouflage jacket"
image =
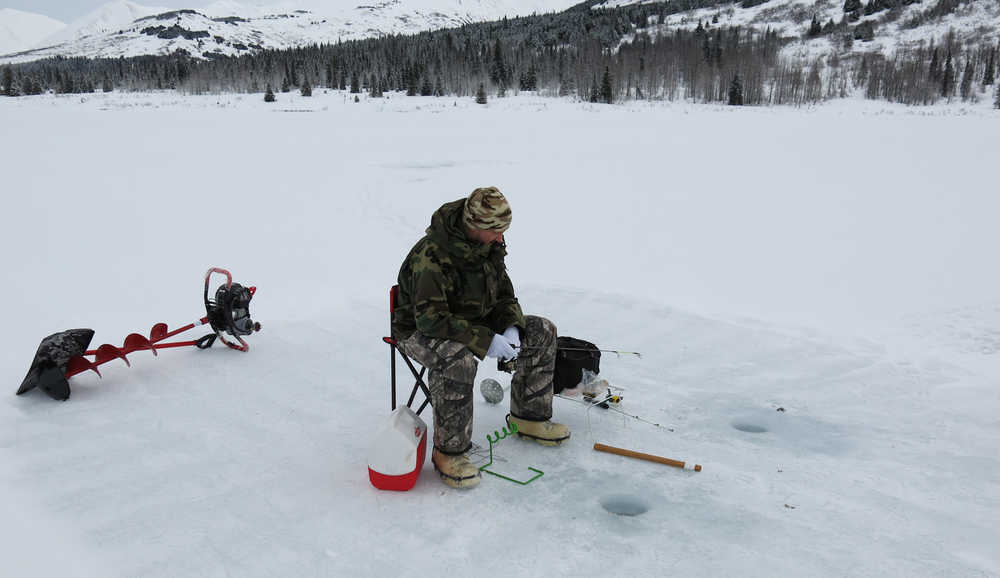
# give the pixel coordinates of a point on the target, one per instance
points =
(455, 288)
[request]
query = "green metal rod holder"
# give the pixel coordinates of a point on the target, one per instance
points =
(501, 434)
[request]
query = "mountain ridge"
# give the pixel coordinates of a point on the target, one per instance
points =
(230, 28)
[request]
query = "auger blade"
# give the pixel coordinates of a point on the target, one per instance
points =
(135, 342)
(79, 365)
(48, 368)
(108, 352)
(158, 332)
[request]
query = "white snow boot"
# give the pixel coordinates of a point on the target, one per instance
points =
(547, 433)
(456, 470)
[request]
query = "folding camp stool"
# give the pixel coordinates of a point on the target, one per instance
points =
(394, 349)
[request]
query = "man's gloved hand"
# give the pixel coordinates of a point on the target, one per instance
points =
(513, 335)
(501, 348)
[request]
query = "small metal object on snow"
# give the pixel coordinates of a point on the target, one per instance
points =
(501, 434)
(492, 390)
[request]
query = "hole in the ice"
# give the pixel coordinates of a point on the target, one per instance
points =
(749, 427)
(624, 505)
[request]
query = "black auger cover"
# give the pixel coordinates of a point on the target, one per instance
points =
(48, 369)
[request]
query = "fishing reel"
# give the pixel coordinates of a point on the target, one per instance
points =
(507, 365)
(604, 400)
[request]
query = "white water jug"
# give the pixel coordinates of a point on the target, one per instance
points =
(398, 452)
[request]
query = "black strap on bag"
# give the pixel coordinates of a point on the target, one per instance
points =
(572, 357)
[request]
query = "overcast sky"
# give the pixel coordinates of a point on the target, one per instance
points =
(70, 10)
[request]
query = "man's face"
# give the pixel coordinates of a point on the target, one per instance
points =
(484, 237)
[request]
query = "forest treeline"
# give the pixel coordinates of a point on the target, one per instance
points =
(602, 55)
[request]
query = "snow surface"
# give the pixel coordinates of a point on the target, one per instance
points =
(835, 262)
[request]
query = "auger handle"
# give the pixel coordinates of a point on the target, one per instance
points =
(642, 456)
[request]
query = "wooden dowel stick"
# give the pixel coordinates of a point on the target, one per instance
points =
(642, 456)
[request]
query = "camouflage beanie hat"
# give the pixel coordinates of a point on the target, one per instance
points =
(486, 209)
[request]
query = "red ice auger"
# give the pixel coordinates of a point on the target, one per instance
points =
(62, 355)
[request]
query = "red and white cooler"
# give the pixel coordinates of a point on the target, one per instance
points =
(398, 452)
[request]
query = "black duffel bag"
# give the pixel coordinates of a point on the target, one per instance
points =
(572, 357)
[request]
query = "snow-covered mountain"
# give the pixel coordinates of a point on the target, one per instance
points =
(227, 27)
(231, 27)
(107, 19)
(22, 30)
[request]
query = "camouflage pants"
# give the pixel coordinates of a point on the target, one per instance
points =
(452, 372)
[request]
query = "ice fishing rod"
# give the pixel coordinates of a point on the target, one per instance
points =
(614, 409)
(615, 351)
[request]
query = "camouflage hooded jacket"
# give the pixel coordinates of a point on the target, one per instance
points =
(455, 288)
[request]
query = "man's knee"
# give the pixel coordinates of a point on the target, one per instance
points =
(460, 365)
(539, 330)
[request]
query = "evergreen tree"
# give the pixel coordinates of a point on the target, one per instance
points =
(815, 29)
(607, 95)
(106, 85)
(736, 91)
(481, 94)
(852, 6)
(567, 83)
(532, 77)
(865, 31)
(989, 76)
(934, 70)
(29, 86)
(355, 83)
(269, 95)
(965, 89)
(285, 85)
(948, 79)
(306, 89)
(499, 74)
(9, 88)
(426, 88)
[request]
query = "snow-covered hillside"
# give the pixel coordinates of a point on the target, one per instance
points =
(974, 21)
(755, 270)
(22, 30)
(122, 28)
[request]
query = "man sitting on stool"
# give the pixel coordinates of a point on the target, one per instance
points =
(456, 305)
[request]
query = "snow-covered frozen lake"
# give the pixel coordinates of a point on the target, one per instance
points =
(837, 263)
